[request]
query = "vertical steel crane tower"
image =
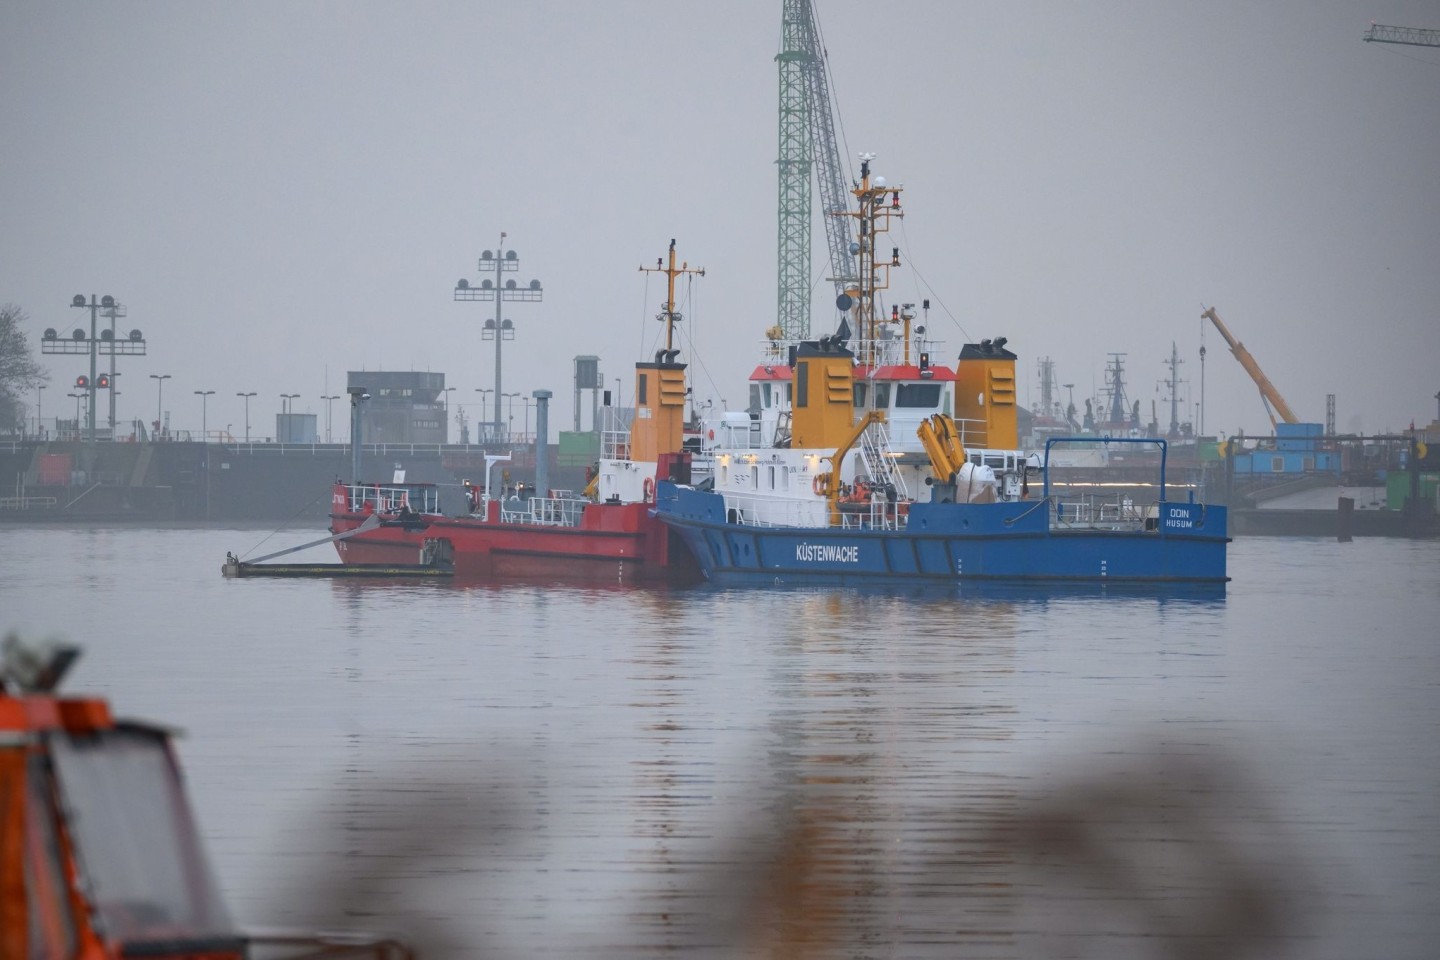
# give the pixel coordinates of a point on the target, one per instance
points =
(807, 144)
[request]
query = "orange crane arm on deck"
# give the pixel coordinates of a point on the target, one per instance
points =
(1268, 394)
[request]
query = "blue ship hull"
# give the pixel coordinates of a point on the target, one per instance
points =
(951, 543)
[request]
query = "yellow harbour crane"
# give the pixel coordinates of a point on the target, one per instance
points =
(1274, 403)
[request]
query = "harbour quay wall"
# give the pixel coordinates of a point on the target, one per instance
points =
(243, 482)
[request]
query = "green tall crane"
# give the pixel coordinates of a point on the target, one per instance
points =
(807, 147)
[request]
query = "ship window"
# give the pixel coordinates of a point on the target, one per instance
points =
(923, 395)
(769, 396)
(772, 478)
(135, 834)
(643, 392)
(802, 385)
(860, 396)
(754, 397)
(882, 396)
(30, 853)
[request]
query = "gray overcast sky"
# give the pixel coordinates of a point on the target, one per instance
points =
(281, 192)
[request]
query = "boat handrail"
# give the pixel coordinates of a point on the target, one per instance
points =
(544, 511)
(28, 503)
(392, 497)
(1158, 441)
(1089, 512)
(874, 514)
(615, 445)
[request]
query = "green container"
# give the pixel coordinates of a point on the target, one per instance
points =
(1397, 488)
(579, 446)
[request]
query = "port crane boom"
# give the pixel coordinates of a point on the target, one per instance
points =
(1274, 403)
(1410, 36)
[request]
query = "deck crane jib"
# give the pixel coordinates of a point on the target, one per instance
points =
(1274, 403)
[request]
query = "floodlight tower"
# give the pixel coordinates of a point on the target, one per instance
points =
(498, 290)
(101, 342)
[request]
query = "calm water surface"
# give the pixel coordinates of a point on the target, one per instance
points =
(530, 770)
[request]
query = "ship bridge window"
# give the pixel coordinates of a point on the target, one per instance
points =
(882, 396)
(135, 835)
(43, 870)
(922, 395)
(860, 394)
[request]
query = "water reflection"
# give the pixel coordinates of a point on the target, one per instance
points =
(545, 771)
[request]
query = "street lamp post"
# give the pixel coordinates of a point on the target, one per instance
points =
(39, 429)
(78, 397)
(358, 395)
(286, 408)
(445, 413)
(327, 397)
(484, 392)
(510, 409)
(498, 290)
(159, 379)
(247, 397)
(204, 396)
(526, 401)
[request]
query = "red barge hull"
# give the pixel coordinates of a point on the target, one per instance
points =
(611, 543)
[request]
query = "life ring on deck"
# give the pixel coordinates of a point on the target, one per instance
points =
(819, 485)
(649, 489)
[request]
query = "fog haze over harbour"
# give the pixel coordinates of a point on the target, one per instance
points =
(280, 193)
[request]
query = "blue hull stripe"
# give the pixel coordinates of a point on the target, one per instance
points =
(951, 543)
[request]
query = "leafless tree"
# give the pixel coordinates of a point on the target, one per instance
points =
(19, 370)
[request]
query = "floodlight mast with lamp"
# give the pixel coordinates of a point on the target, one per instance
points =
(499, 262)
(94, 345)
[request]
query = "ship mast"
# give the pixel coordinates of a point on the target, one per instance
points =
(668, 314)
(877, 202)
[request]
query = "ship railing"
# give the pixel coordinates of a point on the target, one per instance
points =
(560, 511)
(873, 514)
(1093, 513)
(772, 511)
(615, 445)
(28, 503)
(879, 458)
(274, 945)
(392, 499)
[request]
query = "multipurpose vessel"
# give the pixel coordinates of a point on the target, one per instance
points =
(862, 462)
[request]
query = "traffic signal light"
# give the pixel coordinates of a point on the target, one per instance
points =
(82, 381)
(103, 381)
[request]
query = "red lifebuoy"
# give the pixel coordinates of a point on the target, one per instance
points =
(649, 488)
